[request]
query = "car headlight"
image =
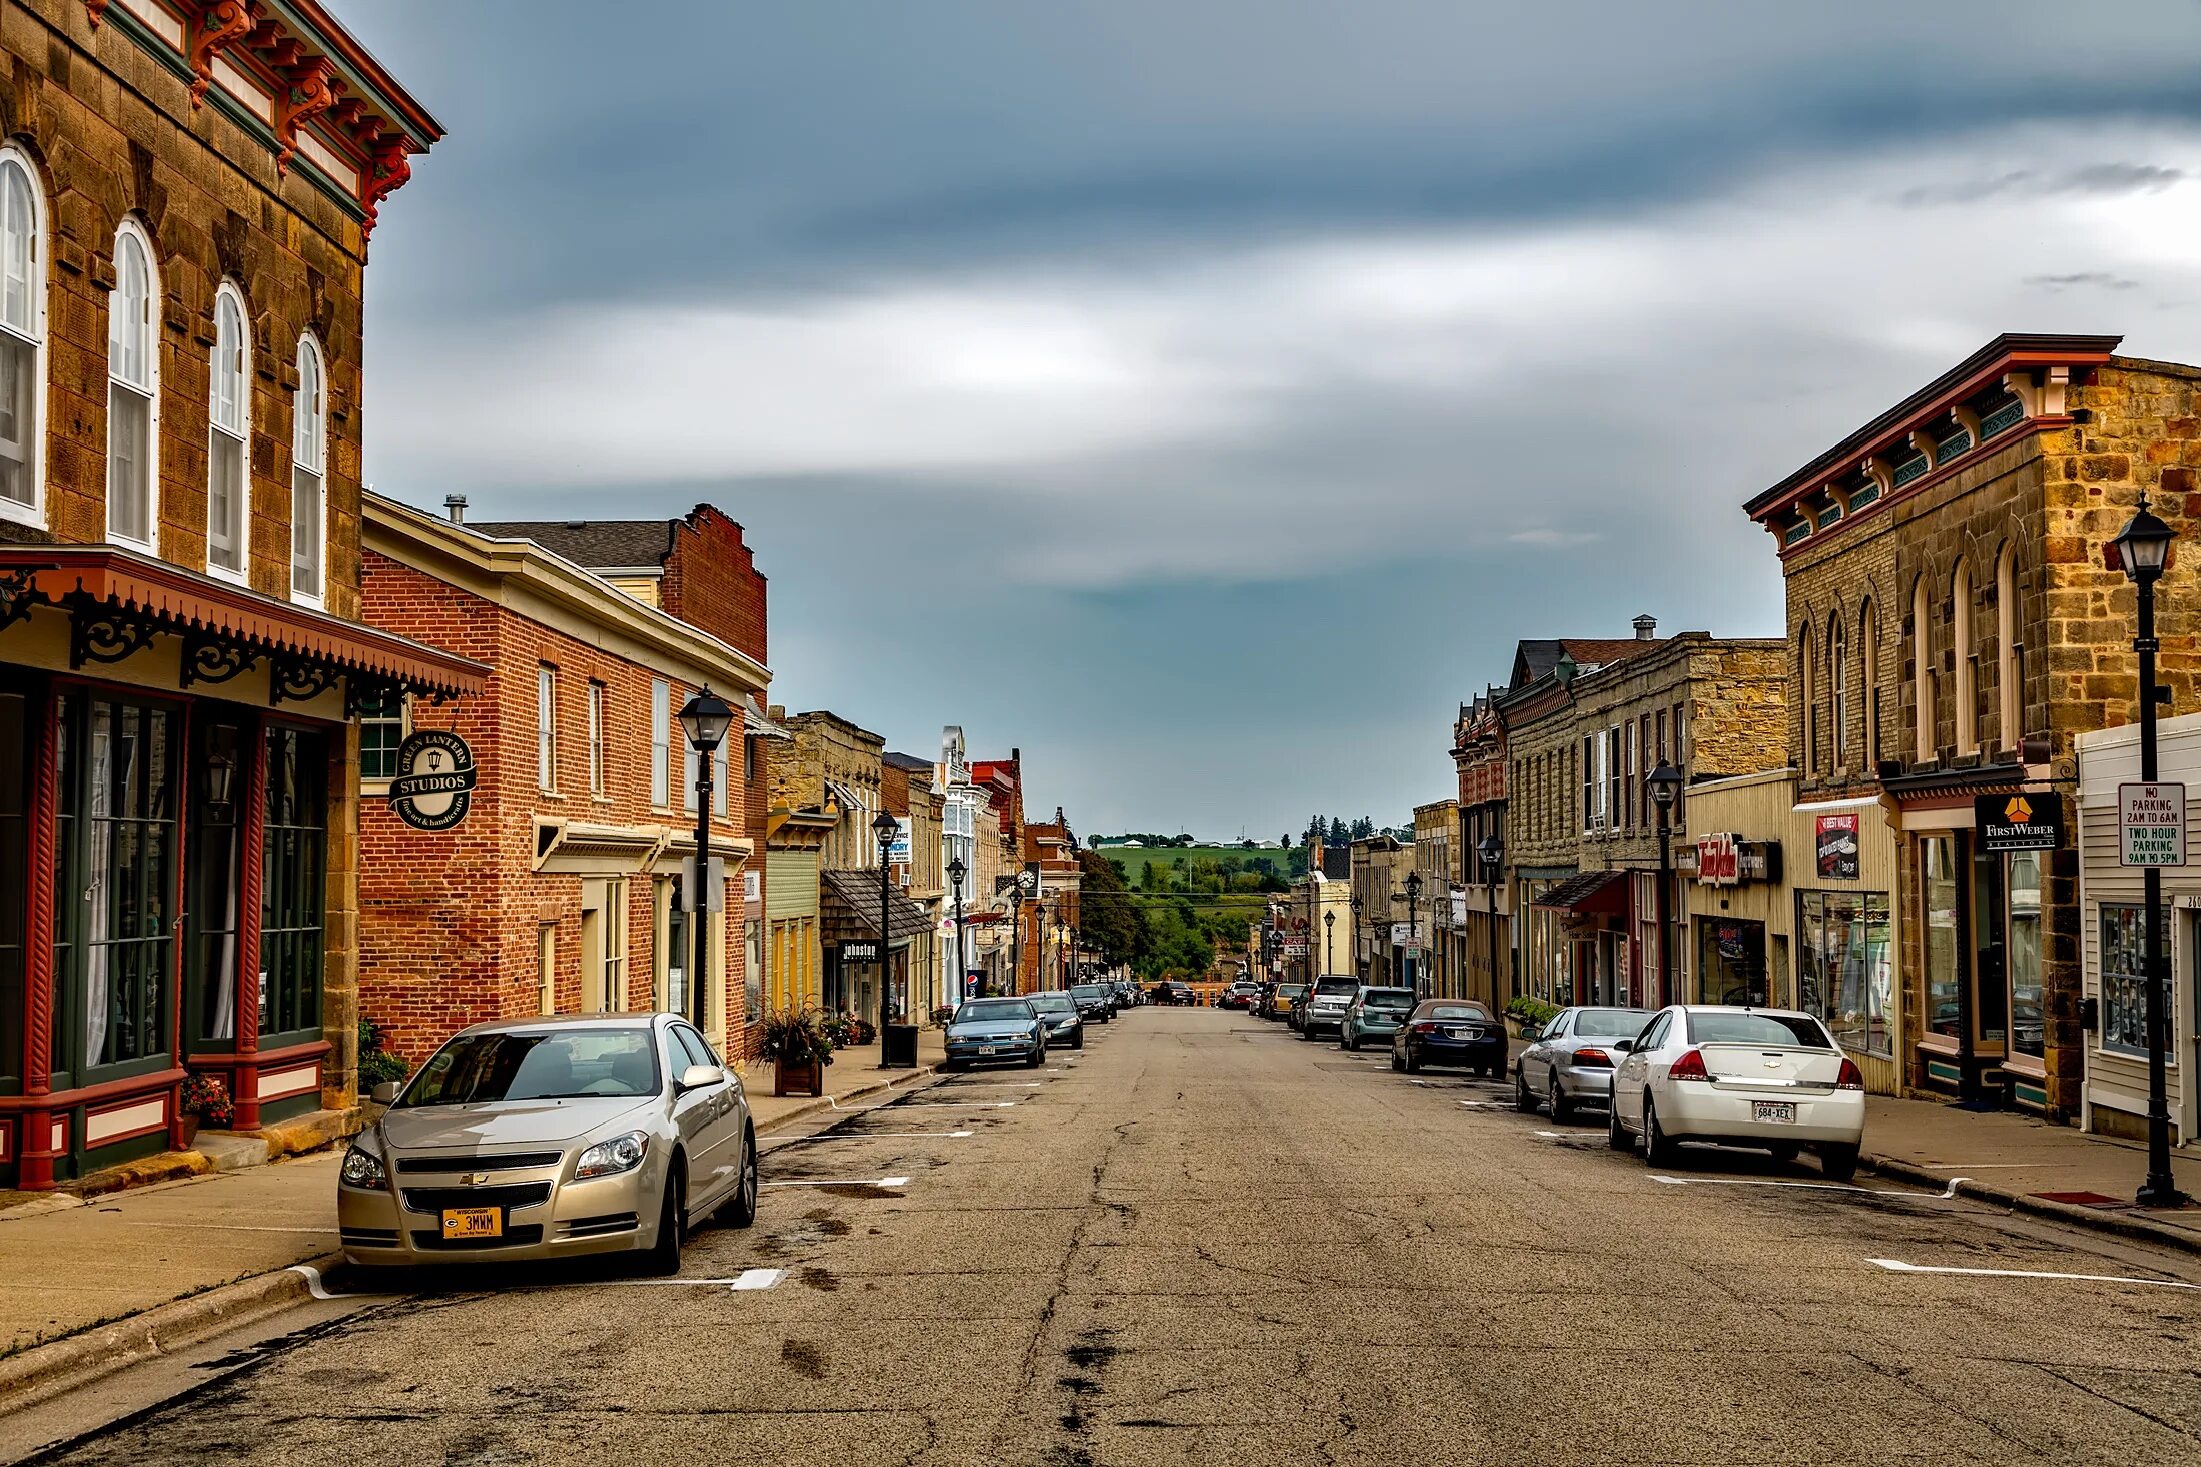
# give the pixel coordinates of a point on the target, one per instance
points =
(609, 1158)
(364, 1169)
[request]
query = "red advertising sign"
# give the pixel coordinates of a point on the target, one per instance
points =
(1717, 863)
(1835, 841)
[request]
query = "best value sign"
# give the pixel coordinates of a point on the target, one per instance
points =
(2151, 824)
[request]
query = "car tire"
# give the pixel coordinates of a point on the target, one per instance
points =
(1077, 1040)
(1396, 1063)
(951, 1067)
(1523, 1102)
(1616, 1135)
(1350, 1043)
(1658, 1148)
(1839, 1163)
(1413, 1061)
(663, 1258)
(1037, 1057)
(1785, 1153)
(1562, 1109)
(740, 1210)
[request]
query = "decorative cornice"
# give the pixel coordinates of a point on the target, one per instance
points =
(218, 26)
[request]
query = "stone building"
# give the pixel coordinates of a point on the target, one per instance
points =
(1379, 867)
(186, 195)
(1953, 629)
(561, 891)
(1479, 758)
(1441, 920)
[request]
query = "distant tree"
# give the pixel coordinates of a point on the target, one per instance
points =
(1363, 828)
(1092, 842)
(1108, 918)
(1287, 841)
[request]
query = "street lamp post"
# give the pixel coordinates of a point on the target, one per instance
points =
(956, 872)
(885, 827)
(1329, 959)
(1493, 852)
(704, 718)
(1356, 936)
(1665, 782)
(1016, 930)
(2142, 550)
(1414, 932)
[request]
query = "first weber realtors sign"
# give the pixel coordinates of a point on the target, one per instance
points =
(2151, 824)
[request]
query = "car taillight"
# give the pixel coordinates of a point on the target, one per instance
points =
(1851, 1077)
(1689, 1065)
(1425, 1027)
(1594, 1059)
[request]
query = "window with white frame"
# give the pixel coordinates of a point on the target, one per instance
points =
(309, 450)
(596, 696)
(1838, 686)
(133, 390)
(1613, 794)
(718, 776)
(1630, 780)
(546, 727)
(381, 732)
(661, 737)
(22, 337)
(687, 773)
(229, 413)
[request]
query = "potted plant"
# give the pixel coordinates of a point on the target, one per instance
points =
(943, 1014)
(205, 1100)
(799, 1043)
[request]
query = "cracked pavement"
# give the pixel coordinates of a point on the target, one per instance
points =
(1201, 1240)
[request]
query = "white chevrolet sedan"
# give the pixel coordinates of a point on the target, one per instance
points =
(1745, 1076)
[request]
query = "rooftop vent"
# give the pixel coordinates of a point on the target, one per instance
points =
(1645, 626)
(454, 505)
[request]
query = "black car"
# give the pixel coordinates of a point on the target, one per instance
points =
(1095, 1004)
(1450, 1031)
(1174, 992)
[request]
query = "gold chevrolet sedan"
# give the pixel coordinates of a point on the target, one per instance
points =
(533, 1139)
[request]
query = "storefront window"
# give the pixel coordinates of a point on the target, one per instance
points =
(2028, 1024)
(1944, 1009)
(294, 852)
(1843, 969)
(2124, 984)
(1731, 961)
(15, 760)
(216, 849)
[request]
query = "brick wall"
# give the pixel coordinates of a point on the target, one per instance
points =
(711, 581)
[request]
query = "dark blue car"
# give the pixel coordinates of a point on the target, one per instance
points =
(1450, 1031)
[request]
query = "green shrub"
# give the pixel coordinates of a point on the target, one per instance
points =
(1531, 1010)
(376, 1064)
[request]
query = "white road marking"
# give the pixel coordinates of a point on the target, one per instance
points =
(959, 1105)
(758, 1278)
(841, 1182)
(1944, 1195)
(748, 1280)
(1492, 1105)
(1897, 1265)
(880, 1136)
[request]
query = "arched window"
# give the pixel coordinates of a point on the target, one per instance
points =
(309, 465)
(228, 450)
(2009, 656)
(133, 391)
(22, 339)
(1838, 688)
(1868, 686)
(1810, 702)
(1965, 669)
(1922, 670)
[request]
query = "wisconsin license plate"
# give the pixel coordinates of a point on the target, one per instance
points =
(473, 1222)
(1783, 1111)
(989, 1049)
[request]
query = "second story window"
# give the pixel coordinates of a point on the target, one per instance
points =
(661, 734)
(597, 693)
(308, 469)
(133, 392)
(229, 400)
(546, 727)
(22, 338)
(381, 730)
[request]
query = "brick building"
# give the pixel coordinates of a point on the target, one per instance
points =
(1479, 758)
(1014, 966)
(1441, 919)
(561, 891)
(907, 789)
(186, 194)
(1953, 629)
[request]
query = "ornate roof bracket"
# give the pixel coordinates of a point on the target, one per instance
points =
(102, 631)
(18, 594)
(311, 88)
(298, 680)
(208, 659)
(217, 25)
(2040, 389)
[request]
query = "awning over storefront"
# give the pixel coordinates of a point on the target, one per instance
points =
(850, 906)
(1591, 894)
(117, 601)
(757, 726)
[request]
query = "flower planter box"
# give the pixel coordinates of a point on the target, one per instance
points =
(798, 1077)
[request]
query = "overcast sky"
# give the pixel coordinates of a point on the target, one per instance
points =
(1204, 395)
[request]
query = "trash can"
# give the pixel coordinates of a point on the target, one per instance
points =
(900, 1049)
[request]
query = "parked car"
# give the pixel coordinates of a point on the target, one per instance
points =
(1239, 995)
(1059, 1012)
(1093, 1002)
(545, 1138)
(1752, 1077)
(1129, 995)
(1324, 1010)
(1263, 1000)
(995, 1031)
(1571, 1059)
(1285, 999)
(1173, 992)
(1374, 1014)
(1450, 1031)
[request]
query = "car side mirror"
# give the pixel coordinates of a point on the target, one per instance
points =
(1532, 1032)
(701, 1077)
(384, 1093)
(1625, 1046)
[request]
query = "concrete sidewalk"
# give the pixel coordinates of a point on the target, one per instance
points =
(2030, 1165)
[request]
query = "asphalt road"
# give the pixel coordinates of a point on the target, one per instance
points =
(1202, 1240)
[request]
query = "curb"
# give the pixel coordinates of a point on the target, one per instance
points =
(2139, 1229)
(42, 1372)
(829, 1102)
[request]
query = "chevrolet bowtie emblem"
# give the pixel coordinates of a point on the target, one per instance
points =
(1772, 1064)
(474, 1179)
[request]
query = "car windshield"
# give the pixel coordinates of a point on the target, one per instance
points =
(994, 1011)
(1737, 1028)
(1088, 990)
(1457, 1011)
(554, 1064)
(1053, 1003)
(1387, 998)
(1610, 1023)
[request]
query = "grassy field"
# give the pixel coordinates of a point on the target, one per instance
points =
(1135, 859)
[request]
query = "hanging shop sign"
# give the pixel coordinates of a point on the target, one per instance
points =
(1834, 837)
(859, 952)
(1724, 859)
(2031, 821)
(2151, 824)
(434, 787)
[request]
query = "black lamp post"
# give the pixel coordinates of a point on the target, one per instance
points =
(704, 718)
(1329, 962)
(956, 872)
(1665, 785)
(1493, 851)
(1413, 931)
(885, 827)
(1016, 931)
(1356, 936)
(2142, 550)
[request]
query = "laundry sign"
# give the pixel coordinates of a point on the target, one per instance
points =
(2151, 824)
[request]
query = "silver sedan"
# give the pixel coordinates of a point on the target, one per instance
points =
(547, 1138)
(1572, 1059)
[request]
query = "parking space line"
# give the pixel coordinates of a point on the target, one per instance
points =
(1897, 1265)
(874, 1136)
(1946, 1194)
(840, 1182)
(959, 1105)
